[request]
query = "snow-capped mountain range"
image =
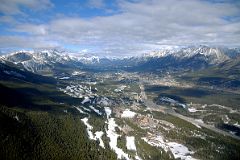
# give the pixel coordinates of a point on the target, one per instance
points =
(213, 55)
(40, 60)
(181, 57)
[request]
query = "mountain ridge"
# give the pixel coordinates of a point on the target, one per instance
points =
(187, 57)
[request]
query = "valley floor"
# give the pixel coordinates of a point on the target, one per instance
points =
(138, 126)
(120, 115)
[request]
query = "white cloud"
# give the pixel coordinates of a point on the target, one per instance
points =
(145, 25)
(12, 7)
(31, 29)
(7, 19)
(26, 42)
(96, 4)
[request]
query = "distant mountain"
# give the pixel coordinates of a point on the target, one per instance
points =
(190, 57)
(42, 61)
(224, 75)
(171, 58)
(13, 72)
(209, 54)
(84, 58)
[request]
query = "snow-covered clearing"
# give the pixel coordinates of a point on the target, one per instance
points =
(75, 73)
(16, 117)
(195, 124)
(137, 157)
(86, 99)
(113, 136)
(192, 110)
(156, 141)
(172, 101)
(89, 128)
(178, 150)
(95, 110)
(128, 114)
(111, 133)
(85, 109)
(78, 91)
(236, 125)
(130, 143)
(80, 110)
(199, 120)
(98, 134)
(64, 78)
(108, 111)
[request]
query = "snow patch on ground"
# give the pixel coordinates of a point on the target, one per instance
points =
(199, 120)
(178, 150)
(195, 124)
(128, 114)
(63, 78)
(78, 91)
(89, 128)
(113, 136)
(111, 133)
(156, 141)
(236, 125)
(95, 110)
(16, 117)
(172, 101)
(85, 109)
(137, 157)
(108, 111)
(130, 143)
(192, 110)
(75, 73)
(80, 110)
(204, 106)
(98, 134)
(86, 99)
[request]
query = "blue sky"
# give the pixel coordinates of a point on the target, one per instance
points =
(117, 27)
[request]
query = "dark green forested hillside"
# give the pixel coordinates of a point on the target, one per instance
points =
(43, 135)
(33, 124)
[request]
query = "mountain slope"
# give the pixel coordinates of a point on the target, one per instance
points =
(53, 61)
(47, 61)
(225, 75)
(35, 124)
(199, 57)
(185, 58)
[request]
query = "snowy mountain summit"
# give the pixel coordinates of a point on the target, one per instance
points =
(212, 55)
(191, 57)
